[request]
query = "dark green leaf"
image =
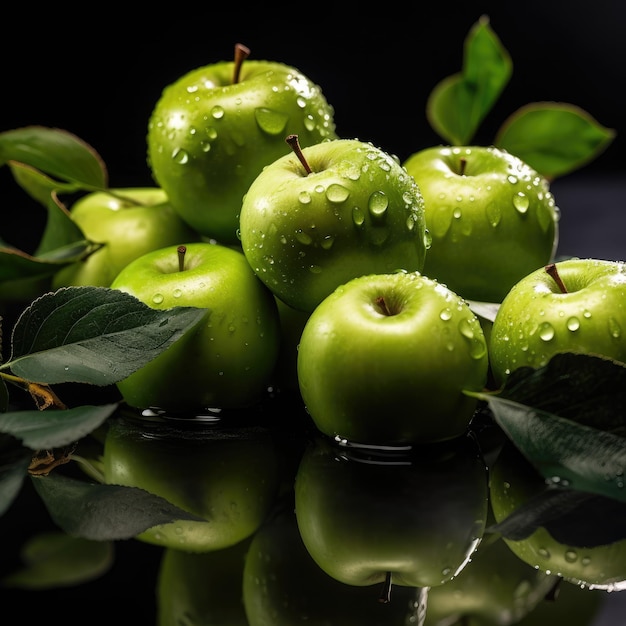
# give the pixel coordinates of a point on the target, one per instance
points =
(92, 335)
(583, 457)
(55, 152)
(54, 560)
(104, 512)
(18, 265)
(14, 462)
(43, 430)
(459, 103)
(486, 310)
(553, 137)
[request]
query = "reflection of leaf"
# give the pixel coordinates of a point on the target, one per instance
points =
(92, 335)
(574, 518)
(104, 512)
(44, 430)
(459, 103)
(53, 560)
(553, 137)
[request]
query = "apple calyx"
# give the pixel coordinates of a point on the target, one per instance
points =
(182, 251)
(554, 273)
(381, 303)
(241, 54)
(462, 166)
(294, 144)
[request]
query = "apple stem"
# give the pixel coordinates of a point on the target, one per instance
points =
(294, 144)
(385, 592)
(463, 165)
(241, 54)
(382, 303)
(552, 271)
(182, 251)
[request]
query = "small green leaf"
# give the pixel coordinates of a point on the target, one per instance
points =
(44, 430)
(92, 335)
(18, 265)
(104, 512)
(56, 152)
(54, 560)
(555, 138)
(459, 103)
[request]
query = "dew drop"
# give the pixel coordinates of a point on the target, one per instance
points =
(337, 193)
(377, 205)
(494, 214)
(571, 556)
(270, 121)
(573, 323)
(327, 242)
(304, 197)
(217, 112)
(521, 202)
(546, 331)
(177, 293)
(157, 298)
(180, 156)
(544, 552)
(358, 216)
(304, 238)
(445, 314)
(615, 329)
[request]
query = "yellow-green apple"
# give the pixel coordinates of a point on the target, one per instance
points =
(496, 588)
(386, 359)
(492, 218)
(407, 518)
(216, 127)
(575, 305)
(324, 214)
(121, 225)
(514, 482)
(202, 588)
(283, 586)
(228, 476)
(228, 359)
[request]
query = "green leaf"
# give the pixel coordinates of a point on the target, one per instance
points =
(14, 462)
(104, 512)
(43, 430)
(92, 335)
(54, 560)
(555, 138)
(568, 419)
(56, 152)
(459, 103)
(18, 265)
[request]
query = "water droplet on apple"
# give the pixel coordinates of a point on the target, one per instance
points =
(614, 328)
(377, 205)
(521, 202)
(217, 112)
(428, 239)
(327, 242)
(304, 197)
(358, 216)
(573, 323)
(309, 123)
(446, 314)
(180, 156)
(512, 179)
(304, 238)
(270, 121)
(337, 193)
(157, 298)
(315, 269)
(494, 213)
(177, 293)
(546, 331)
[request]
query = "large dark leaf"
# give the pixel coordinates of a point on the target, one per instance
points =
(104, 512)
(92, 335)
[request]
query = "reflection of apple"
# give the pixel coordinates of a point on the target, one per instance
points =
(386, 358)
(406, 518)
(513, 482)
(228, 476)
(228, 359)
(203, 589)
(575, 305)
(492, 218)
(122, 226)
(313, 220)
(496, 588)
(214, 129)
(283, 586)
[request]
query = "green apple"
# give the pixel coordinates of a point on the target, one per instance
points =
(228, 476)
(121, 225)
(575, 305)
(492, 218)
(228, 359)
(316, 218)
(283, 586)
(386, 358)
(513, 482)
(496, 588)
(407, 518)
(215, 128)
(203, 589)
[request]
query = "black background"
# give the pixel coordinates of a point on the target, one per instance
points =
(99, 72)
